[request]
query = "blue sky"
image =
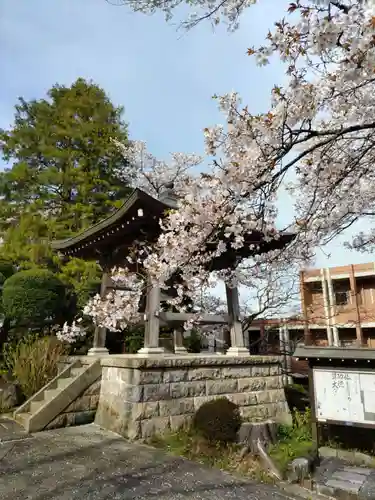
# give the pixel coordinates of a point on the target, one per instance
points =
(163, 77)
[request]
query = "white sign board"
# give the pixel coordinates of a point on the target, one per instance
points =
(344, 395)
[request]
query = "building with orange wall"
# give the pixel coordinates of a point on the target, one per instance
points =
(338, 305)
(338, 309)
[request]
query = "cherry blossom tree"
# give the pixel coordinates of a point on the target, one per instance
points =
(213, 10)
(319, 128)
(153, 175)
(319, 132)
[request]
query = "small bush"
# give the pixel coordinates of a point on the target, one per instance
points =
(6, 268)
(134, 342)
(193, 343)
(33, 362)
(34, 297)
(218, 420)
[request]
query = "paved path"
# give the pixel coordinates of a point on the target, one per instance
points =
(88, 463)
(336, 478)
(10, 430)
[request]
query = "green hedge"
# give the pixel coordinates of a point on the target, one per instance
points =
(34, 297)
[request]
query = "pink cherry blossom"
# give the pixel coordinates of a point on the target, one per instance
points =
(316, 142)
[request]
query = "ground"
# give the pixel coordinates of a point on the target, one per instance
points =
(89, 463)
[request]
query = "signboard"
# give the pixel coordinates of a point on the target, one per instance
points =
(344, 395)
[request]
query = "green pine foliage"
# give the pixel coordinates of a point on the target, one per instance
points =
(64, 172)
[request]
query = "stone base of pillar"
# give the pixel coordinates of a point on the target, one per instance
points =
(98, 351)
(238, 351)
(151, 351)
(180, 350)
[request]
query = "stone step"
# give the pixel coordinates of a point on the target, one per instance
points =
(63, 382)
(35, 405)
(49, 394)
(22, 418)
(76, 371)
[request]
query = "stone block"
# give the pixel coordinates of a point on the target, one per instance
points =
(200, 400)
(70, 419)
(141, 411)
(176, 407)
(251, 384)
(110, 373)
(276, 395)
(94, 401)
(221, 386)
(243, 399)
(133, 430)
(134, 376)
(150, 376)
(236, 372)
(156, 392)
(327, 452)
(178, 422)
(263, 397)
(128, 375)
(187, 389)
(80, 404)
(57, 423)
(256, 412)
(273, 382)
(154, 426)
(115, 418)
(260, 371)
(275, 370)
(203, 374)
(93, 389)
(131, 393)
(279, 411)
(171, 376)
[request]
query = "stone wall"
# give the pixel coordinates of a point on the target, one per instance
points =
(143, 396)
(81, 411)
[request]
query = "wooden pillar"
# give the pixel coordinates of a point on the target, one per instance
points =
(288, 354)
(262, 340)
(285, 351)
(152, 323)
(98, 348)
(354, 294)
(178, 337)
(237, 347)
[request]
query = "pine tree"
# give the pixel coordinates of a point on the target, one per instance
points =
(64, 169)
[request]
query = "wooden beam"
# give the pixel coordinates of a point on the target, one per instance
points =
(209, 319)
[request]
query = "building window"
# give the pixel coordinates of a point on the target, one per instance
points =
(342, 297)
(316, 288)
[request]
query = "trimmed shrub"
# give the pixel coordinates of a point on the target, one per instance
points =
(218, 420)
(33, 361)
(34, 297)
(193, 342)
(2, 278)
(6, 268)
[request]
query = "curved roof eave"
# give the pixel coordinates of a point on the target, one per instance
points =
(137, 195)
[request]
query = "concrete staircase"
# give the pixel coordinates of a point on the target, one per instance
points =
(38, 411)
